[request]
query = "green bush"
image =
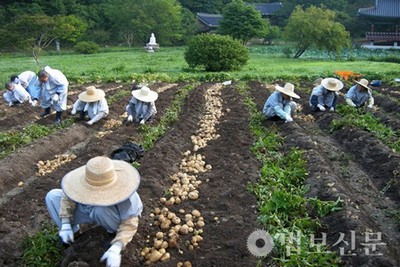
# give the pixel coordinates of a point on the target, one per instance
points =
(87, 47)
(216, 53)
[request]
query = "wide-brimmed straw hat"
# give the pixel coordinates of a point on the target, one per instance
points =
(145, 94)
(92, 94)
(101, 182)
(288, 89)
(332, 84)
(363, 83)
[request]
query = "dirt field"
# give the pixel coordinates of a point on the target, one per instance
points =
(349, 163)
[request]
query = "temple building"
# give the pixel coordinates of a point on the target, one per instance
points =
(384, 19)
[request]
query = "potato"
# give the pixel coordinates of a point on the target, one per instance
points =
(196, 213)
(159, 235)
(165, 257)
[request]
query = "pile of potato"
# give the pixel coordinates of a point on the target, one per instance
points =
(172, 226)
(305, 118)
(48, 166)
(101, 134)
(166, 87)
(207, 130)
(112, 123)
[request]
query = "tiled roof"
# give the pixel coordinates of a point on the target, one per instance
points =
(211, 20)
(267, 8)
(382, 8)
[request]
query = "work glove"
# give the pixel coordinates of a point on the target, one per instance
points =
(89, 123)
(55, 98)
(321, 107)
(113, 255)
(73, 111)
(288, 118)
(33, 103)
(332, 109)
(130, 118)
(142, 121)
(10, 104)
(350, 102)
(66, 233)
(370, 106)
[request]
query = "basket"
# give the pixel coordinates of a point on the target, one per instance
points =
(347, 74)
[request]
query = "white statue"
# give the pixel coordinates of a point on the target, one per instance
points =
(152, 39)
(152, 45)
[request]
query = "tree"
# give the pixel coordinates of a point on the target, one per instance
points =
(315, 27)
(242, 22)
(38, 32)
(140, 18)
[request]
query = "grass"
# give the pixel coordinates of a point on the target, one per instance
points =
(168, 64)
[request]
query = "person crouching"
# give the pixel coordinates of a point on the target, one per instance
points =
(141, 107)
(280, 104)
(93, 103)
(102, 192)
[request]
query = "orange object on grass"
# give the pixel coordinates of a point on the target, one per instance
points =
(346, 74)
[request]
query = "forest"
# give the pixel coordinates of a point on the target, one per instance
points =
(129, 23)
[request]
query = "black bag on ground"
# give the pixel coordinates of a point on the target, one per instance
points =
(129, 152)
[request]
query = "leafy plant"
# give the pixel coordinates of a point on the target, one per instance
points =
(43, 249)
(216, 53)
(366, 121)
(9, 141)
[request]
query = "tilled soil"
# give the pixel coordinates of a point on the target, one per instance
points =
(349, 163)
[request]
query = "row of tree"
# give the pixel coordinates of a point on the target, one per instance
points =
(37, 23)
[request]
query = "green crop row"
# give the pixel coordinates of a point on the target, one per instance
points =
(365, 120)
(283, 208)
(44, 248)
(152, 133)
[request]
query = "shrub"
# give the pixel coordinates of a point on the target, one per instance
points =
(87, 47)
(216, 53)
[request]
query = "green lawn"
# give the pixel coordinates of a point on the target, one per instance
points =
(169, 64)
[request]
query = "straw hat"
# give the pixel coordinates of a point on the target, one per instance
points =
(287, 90)
(332, 84)
(92, 94)
(101, 182)
(363, 83)
(145, 94)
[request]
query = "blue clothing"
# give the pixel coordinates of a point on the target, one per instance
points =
(276, 105)
(358, 97)
(30, 81)
(109, 217)
(324, 97)
(57, 84)
(140, 110)
(18, 95)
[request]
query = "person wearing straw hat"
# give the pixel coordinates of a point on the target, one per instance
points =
(93, 103)
(54, 90)
(325, 95)
(280, 104)
(360, 94)
(102, 192)
(141, 107)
